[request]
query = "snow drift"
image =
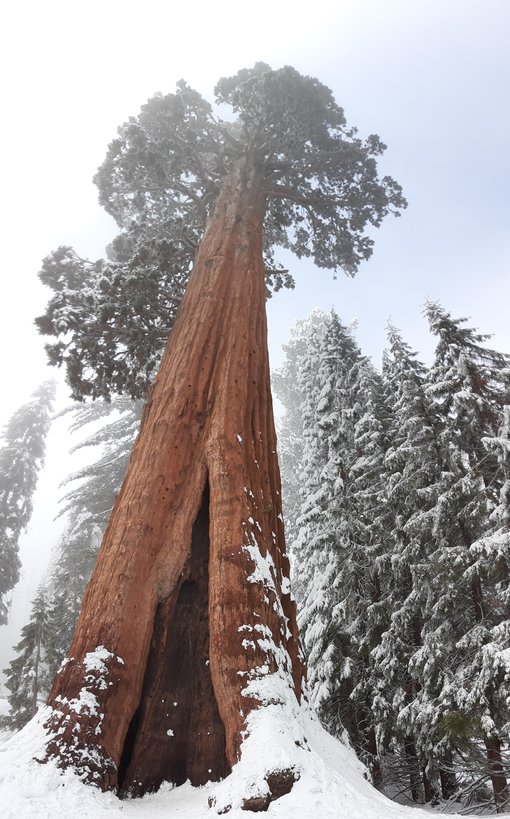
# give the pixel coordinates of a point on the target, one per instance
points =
(331, 784)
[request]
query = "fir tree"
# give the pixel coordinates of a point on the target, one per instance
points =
(412, 470)
(289, 388)
(323, 375)
(87, 503)
(402, 552)
(338, 539)
(21, 459)
(112, 426)
(76, 555)
(462, 661)
(27, 674)
(372, 577)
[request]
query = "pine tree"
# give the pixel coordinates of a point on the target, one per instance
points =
(372, 577)
(77, 552)
(322, 379)
(87, 503)
(288, 387)
(412, 470)
(466, 634)
(27, 674)
(337, 532)
(21, 459)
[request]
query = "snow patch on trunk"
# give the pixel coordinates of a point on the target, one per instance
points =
(74, 724)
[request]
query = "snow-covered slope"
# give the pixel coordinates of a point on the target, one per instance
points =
(332, 786)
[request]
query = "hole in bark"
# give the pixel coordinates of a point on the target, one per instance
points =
(177, 733)
(128, 746)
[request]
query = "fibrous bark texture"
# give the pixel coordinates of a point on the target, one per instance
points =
(177, 733)
(190, 599)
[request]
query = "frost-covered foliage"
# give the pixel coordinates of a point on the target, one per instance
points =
(27, 675)
(286, 386)
(73, 562)
(337, 543)
(93, 488)
(466, 633)
(87, 503)
(160, 180)
(22, 450)
(401, 541)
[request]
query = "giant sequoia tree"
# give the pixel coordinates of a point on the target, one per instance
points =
(187, 637)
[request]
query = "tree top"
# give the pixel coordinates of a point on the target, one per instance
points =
(320, 178)
(160, 180)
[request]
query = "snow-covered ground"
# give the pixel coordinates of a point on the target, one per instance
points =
(332, 786)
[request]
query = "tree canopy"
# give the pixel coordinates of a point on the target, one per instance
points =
(160, 180)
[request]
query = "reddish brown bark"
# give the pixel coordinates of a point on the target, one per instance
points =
(177, 733)
(206, 450)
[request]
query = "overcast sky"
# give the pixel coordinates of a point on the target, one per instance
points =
(431, 77)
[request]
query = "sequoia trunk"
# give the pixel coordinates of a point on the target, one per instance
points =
(190, 597)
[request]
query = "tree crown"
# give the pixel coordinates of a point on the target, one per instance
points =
(160, 180)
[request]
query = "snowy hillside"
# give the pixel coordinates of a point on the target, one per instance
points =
(332, 786)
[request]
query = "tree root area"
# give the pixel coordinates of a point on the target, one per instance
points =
(177, 733)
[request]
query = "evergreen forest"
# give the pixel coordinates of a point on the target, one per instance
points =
(396, 487)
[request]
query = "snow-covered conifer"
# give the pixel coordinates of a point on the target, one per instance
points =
(463, 659)
(27, 674)
(288, 387)
(21, 459)
(412, 470)
(88, 501)
(335, 528)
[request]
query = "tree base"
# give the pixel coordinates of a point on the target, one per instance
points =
(177, 733)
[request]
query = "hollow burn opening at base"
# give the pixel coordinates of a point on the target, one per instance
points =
(177, 732)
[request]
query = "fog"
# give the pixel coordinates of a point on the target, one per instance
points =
(431, 78)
